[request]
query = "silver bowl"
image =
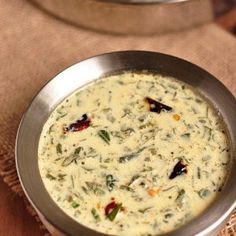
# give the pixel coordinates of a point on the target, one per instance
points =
(139, 17)
(65, 83)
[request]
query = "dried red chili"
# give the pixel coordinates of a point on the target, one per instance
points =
(156, 106)
(178, 170)
(81, 124)
(110, 207)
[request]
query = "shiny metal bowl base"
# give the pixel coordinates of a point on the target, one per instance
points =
(139, 17)
(91, 69)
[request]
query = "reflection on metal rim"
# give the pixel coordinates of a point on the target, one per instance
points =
(133, 16)
(143, 1)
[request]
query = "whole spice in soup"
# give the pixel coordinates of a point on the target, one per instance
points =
(79, 125)
(179, 169)
(156, 106)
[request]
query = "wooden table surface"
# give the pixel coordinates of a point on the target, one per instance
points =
(14, 218)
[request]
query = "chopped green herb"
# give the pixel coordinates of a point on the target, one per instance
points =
(103, 134)
(131, 156)
(69, 198)
(194, 110)
(85, 190)
(172, 86)
(51, 129)
(68, 160)
(202, 121)
(127, 111)
(49, 176)
(198, 100)
(107, 160)
(75, 204)
(203, 193)
(148, 168)
(185, 136)
(72, 181)
(111, 118)
(61, 177)
(103, 166)
(61, 110)
(133, 180)
(98, 191)
(61, 116)
(106, 110)
(95, 188)
(147, 159)
(206, 158)
(180, 198)
(128, 131)
(72, 158)
(207, 133)
(153, 151)
(168, 215)
(87, 169)
(154, 179)
(144, 210)
(77, 150)
(120, 82)
(198, 173)
(112, 215)
(59, 148)
(78, 102)
(127, 188)
(146, 125)
(95, 214)
(110, 182)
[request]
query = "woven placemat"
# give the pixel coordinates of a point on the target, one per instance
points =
(35, 46)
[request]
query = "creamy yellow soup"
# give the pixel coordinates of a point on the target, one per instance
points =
(134, 154)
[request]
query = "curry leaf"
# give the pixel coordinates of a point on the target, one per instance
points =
(103, 134)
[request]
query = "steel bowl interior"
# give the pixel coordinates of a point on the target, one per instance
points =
(93, 68)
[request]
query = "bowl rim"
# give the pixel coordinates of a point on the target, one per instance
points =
(205, 224)
(138, 2)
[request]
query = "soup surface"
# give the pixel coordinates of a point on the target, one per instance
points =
(134, 154)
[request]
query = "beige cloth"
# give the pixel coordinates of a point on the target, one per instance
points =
(35, 46)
